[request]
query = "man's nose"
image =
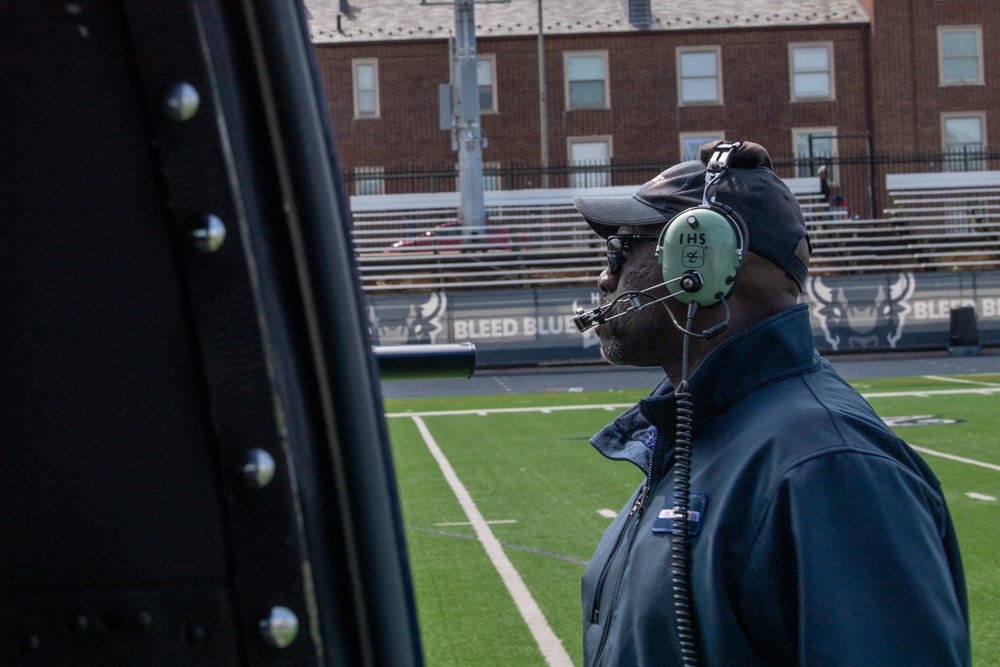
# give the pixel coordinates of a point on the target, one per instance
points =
(607, 281)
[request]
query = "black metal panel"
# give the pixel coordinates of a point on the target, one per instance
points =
(111, 498)
(104, 412)
(167, 625)
(139, 370)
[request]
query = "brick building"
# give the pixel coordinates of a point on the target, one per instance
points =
(644, 81)
(935, 70)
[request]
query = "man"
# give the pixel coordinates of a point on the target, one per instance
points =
(824, 185)
(815, 535)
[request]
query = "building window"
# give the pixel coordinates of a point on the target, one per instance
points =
(588, 159)
(366, 102)
(811, 71)
(691, 142)
(815, 147)
(964, 136)
(369, 180)
(486, 66)
(699, 75)
(586, 80)
(960, 54)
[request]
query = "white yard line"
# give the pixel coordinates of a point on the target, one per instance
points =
(497, 411)
(985, 390)
(960, 459)
(468, 523)
(941, 378)
(552, 649)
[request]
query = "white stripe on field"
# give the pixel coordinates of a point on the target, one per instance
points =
(498, 411)
(960, 380)
(973, 462)
(986, 390)
(467, 523)
(552, 649)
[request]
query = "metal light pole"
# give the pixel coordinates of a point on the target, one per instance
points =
(460, 112)
(467, 133)
(543, 126)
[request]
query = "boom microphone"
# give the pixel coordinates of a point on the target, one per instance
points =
(691, 281)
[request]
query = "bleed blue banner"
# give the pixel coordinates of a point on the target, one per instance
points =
(899, 311)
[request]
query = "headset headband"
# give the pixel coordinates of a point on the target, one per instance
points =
(717, 166)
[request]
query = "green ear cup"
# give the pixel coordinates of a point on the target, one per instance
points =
(703, 247)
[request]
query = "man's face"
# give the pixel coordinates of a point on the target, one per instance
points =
(640, 337)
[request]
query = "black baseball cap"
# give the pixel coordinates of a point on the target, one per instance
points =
(750, 187)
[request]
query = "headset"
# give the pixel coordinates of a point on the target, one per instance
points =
(701, 251)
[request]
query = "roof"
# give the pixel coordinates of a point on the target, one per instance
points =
(394, 20)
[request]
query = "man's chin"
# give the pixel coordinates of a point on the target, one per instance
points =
(611, 349)
(621, 349)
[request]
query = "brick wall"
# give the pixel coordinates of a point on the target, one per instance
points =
(407, 130)
(886, 82)
(644, 119)
(907, 100)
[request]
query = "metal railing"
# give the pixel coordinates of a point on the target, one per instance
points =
(856, 176)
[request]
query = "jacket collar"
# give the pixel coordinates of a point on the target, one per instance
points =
(771, 350)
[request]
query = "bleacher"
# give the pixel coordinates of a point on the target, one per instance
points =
(935, 222)
(938, 221)
(532, 237)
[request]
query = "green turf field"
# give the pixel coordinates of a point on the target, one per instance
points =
(504, 500)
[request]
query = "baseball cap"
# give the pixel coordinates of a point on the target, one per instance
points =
(750, 187)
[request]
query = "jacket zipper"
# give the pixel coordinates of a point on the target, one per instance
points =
(595, 613)
(639, 506)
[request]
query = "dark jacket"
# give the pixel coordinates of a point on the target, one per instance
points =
(823, 538)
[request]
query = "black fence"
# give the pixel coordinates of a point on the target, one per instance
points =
(857, 180)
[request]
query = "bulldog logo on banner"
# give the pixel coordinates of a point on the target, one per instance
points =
(407, 322)
(857, 316)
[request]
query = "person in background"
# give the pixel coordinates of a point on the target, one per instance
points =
(812, 534)
(824, 185)
(839, 208)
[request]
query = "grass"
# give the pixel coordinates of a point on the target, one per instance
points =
(533, 472)
(976, 521)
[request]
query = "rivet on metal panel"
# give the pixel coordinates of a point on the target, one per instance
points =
(181, 102)
(257, 468)
(196, 634)
(209, 234)
(80, 623)
(30, 643)
(279, 629)
(143, 620)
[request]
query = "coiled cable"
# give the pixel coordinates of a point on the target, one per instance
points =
(680, 556)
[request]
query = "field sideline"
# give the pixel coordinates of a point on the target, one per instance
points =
(504, 500)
